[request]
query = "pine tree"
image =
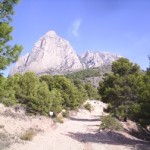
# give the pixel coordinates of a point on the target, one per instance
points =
(121, 88)
(8, 53)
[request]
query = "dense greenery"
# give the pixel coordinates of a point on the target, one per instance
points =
(71, 95)
(7, 94)
(126, 90)
(92, 92)
(39, 95)
(141, 109)
(8, 53)
(80, 77)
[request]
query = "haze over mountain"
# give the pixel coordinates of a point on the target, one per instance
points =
(52, 54)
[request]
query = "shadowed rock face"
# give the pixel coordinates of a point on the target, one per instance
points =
(52, 54)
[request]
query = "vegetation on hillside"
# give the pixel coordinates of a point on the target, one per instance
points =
(92, 92)
(83, 74)
(87, 73)
(39, 95)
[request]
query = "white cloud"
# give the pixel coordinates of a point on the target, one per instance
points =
(75, 27)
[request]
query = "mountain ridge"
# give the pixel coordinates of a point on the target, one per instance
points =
(53, 54)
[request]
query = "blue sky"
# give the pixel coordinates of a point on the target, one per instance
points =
(117, 26)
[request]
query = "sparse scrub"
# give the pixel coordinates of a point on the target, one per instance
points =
(88, 107)
(28, 135)
(65, 114)
(83, 74)
(109, 122)
(59, 119)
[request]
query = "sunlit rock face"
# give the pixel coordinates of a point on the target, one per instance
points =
(52, 54)
(97, 59)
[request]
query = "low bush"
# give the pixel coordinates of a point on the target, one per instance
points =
(109, 122)
(65, 114)
(88, 107)
(28, 135)
(59, 119)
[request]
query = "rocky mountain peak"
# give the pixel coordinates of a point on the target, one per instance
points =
(97, 59)
(53, 54)
(51, 34)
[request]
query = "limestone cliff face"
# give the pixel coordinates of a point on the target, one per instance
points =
(52, 54)
(97, 59)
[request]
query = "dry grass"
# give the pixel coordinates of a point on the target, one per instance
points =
(28, 135)
(59, 119)
(88, 107)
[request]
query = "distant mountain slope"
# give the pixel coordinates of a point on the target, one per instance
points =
(93, 75)
(52, 54)
(97, 59)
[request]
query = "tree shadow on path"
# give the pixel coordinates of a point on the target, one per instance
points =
(110, 138)
(80, 119)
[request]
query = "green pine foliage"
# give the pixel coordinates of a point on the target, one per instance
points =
(81, 91)
(68, 91)
(28, 85)
(7, 94)
(8, 53)
(140, 110)
(40, 101)
(57, 101)
(92, 92)
(72, 94)
(49, 81)
(109, 122)
(126, 90)
(39, 95)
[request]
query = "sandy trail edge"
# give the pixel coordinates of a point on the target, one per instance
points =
(80, 132)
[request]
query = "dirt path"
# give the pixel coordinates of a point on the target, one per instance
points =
(80, 132)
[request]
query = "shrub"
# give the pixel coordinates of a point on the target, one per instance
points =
(28, 135)
(108, 122)
(65, 114)
(59, 119)
(88, 107)
(92, 92)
